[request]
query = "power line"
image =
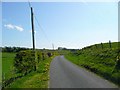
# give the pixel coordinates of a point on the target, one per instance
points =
(41, 28)
(29, 4)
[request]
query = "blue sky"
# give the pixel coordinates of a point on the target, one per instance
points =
(65, 24)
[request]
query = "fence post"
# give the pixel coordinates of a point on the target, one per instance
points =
(102, 45)
(110, 44)
(96, 46)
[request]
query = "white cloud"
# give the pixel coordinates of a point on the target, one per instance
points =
(15, 27)
(9, 26)
(19, 28)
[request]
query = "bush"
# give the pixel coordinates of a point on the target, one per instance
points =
(39, 56)
(24, 62)
(118, 63)
(49, 54)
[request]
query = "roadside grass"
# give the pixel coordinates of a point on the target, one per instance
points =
(7, 64)
(32, 80)
(99, 60)
(0, 68)
(35, 79)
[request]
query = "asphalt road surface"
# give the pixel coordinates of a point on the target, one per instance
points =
(64, 74)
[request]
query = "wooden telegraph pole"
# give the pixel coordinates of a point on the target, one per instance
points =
(32, 22)
(53, 46)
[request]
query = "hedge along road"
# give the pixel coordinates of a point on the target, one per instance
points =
(64, 74)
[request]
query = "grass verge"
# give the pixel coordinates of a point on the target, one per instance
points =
(0, 68)
(35, 79)
(98, 59)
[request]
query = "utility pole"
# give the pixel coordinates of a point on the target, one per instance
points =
(53, 46)
(32, 23)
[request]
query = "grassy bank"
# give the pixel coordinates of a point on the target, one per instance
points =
(0, 68)
(100, 59)
(35, 79)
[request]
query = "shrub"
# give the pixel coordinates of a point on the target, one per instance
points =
(118, 63)
(49, 54)
(24, 62)
(39, 56)
(43, 56)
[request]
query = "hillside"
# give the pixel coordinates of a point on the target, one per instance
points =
(102, 59)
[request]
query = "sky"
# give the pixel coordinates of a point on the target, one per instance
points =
(65, 24)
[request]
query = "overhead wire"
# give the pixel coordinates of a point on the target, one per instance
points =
(41, 28)
(29, 4)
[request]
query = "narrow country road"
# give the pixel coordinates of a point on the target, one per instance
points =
(64, 74)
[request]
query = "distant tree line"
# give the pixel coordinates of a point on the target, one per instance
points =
(13, 49)
(62, 48)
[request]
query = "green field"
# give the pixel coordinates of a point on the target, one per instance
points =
(98, 59)
(7, 65)
(35, 79)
